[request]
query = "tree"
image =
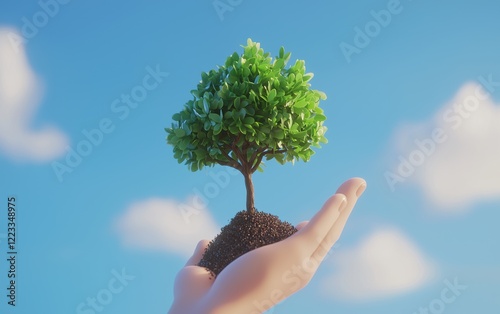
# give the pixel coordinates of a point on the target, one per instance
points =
(253, 107)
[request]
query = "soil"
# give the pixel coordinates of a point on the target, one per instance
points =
(244, 233)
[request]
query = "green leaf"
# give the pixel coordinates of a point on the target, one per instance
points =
(180, 133)
(249, 120)
(200, 152)
(215, 117)
(308, 77)
(214, 151)
(265, 129)
(319, 117)
(261, 166)
(204, 77)
(300, 104)
(287, 56)
(271, 95)
(321, 95)
(217, 129)
(279, 134)
(237, 103)
(234, 129)
(242, 113)
(176, 117)
(246, 71)
(194, 167)
(195, 93)
(207, 125)
(280, 158)
(242, 129)
(206, 106)
(279, 63)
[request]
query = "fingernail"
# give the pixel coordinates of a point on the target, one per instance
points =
(343, 204)
(361, 189)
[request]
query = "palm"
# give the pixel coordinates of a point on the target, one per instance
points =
(263, 277)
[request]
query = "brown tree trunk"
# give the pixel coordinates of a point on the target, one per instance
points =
(250, 192)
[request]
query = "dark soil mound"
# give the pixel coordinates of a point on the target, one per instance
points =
(244, 233)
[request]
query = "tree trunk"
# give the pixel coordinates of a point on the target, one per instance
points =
(250, 192)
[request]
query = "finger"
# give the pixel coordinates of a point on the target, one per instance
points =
(301, 225)
(191, 283)
(352, 189)
(319, 226)
(198, 253)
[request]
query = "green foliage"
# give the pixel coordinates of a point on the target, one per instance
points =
(252, 107)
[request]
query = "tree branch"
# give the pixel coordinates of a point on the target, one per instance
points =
(254, 155)
(259, 154)
(256, 152)
(239, 153)
(230, 162)
(229, 158)
(257, 163)
(279, 151)
(234, 165)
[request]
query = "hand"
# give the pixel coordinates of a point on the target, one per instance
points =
(258, 280)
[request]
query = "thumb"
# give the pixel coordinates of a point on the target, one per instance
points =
(301, 225)
(198, 253)
(192, 281)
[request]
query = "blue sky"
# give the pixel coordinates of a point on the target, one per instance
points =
(413, 107)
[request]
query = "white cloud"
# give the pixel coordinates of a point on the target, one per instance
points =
(386, 263)
(19, 98)
(166, 225)
(464, 166)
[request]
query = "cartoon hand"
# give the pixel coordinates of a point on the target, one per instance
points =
(258, 280)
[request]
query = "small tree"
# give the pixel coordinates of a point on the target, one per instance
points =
(251, 108)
